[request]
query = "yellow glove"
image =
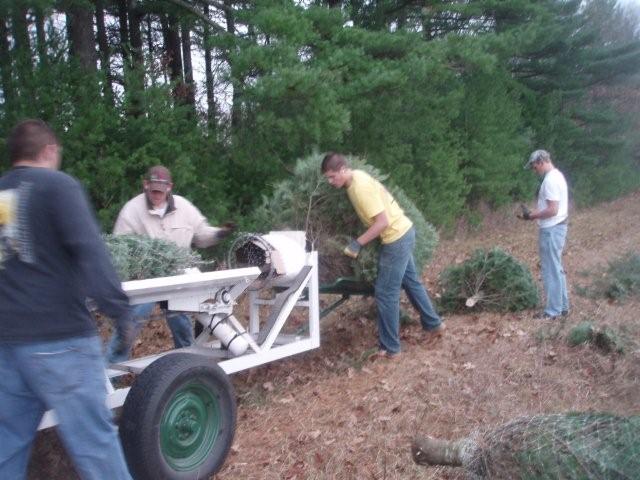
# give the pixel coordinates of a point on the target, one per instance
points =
(353, 249)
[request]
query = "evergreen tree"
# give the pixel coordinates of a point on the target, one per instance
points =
(559, 60)
(446, 96)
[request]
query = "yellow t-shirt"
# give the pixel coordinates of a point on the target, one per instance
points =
(369, 198)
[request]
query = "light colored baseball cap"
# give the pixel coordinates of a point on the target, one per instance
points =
(537, 156)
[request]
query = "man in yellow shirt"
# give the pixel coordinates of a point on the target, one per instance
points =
(383, 217)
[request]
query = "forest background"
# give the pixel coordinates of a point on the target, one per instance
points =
(447, 96)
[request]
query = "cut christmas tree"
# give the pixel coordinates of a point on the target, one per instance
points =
(307, 202)
(138, 257)
(489, 280)
(571, 446)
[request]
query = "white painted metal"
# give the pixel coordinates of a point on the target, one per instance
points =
(213, 294)
(183, 291)
(249, 339)
(288, 254)
(254, 312)
(284, 314)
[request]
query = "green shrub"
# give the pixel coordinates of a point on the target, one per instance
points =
(580, 334)
(605, 339)
(620, 280)
(608, 340)
(624, 277)
(489, 280)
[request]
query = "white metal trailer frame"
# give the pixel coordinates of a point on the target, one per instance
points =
(214, 294)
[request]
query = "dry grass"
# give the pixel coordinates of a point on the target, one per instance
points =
(333, 414)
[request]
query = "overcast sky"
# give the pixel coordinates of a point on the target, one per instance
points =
(626, 2)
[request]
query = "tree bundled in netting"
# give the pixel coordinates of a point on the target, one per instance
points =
(571, 446)
(307, 202)
(489, 280)
(137, 257)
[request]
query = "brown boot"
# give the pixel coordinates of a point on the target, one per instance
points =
(435, 333)
(384, 355)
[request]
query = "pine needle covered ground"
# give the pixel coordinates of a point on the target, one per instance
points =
(334, 414)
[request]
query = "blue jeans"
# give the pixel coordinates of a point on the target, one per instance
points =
(179, 324)
(396, 270)
(551, 242)
(67, 376)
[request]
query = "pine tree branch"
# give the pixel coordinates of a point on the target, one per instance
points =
(199, 14)
(218, 5)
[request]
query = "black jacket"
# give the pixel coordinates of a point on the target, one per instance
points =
(52, 257)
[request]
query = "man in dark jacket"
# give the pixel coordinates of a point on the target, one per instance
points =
(52, 258)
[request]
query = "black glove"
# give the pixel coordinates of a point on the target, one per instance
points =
(226, 229)
(353, 249)
(526, 213)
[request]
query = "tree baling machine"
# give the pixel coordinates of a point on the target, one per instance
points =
(178, 417)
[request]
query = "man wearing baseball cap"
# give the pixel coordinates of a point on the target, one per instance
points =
(158, 213)
(551, 214)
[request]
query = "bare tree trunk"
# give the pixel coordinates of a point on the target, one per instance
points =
(5, 63)
(208, 70)
(129, 20)
(41, 38)
(123, 23)
(173, 57)
(190, 90)
(150, 45)
(81, 37)
(236, 106)
(20, 29)
(151, 48)
(432, 451)
(21, 49)
(135, 80)
(104, 49)
(135, 37)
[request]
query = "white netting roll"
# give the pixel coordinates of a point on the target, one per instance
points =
(279, 255)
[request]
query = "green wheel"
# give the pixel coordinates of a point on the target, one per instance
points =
(178, 420)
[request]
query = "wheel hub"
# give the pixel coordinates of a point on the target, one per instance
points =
(189, 427)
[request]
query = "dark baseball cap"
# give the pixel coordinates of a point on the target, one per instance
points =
(159, 178)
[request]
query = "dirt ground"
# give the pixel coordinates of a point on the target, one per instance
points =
(334, 414)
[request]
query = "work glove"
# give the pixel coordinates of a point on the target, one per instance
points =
(226, 229)
(353, 249)
(526, 213)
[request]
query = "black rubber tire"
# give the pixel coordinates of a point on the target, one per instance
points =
(154, 395)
